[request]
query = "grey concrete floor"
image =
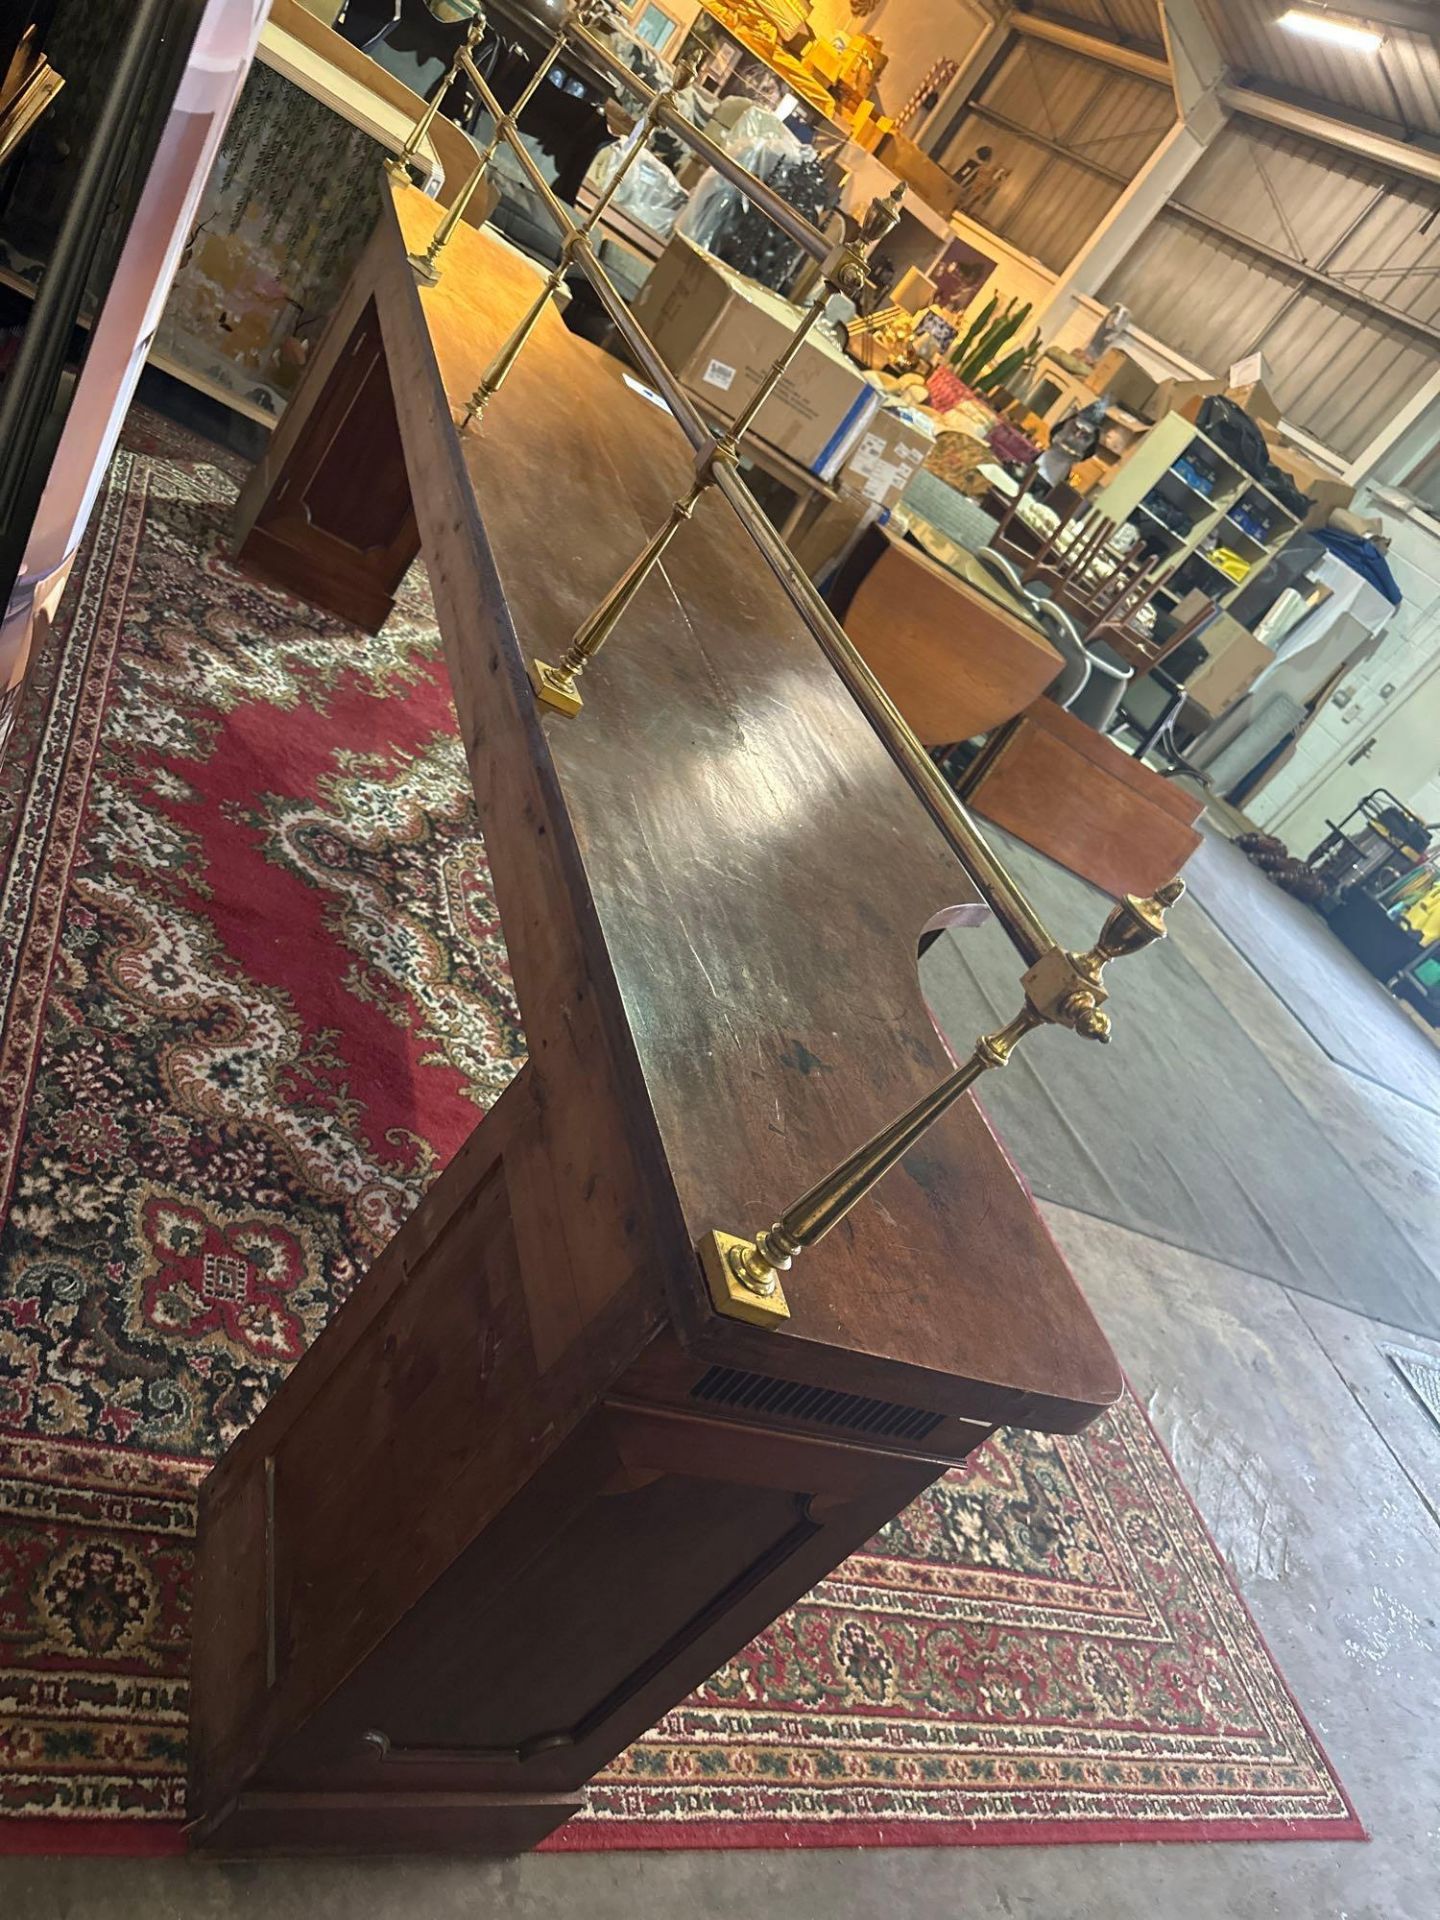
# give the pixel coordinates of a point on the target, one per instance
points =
(1319, 1475)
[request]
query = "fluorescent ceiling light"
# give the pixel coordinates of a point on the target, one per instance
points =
(1325, 26)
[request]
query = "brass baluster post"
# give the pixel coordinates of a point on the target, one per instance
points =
(397, 166)
(743, 1275)
(845, 271)
(557, 686)
(634, 145)
(583, 13)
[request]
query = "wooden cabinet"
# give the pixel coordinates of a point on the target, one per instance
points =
(530, 1487)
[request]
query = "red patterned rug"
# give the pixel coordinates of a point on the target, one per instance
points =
(254, 995)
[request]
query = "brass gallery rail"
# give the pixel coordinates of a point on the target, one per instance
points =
(1060, 987)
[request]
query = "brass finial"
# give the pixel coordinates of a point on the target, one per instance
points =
(743, 1276)
(1068, 989)
(882, 216)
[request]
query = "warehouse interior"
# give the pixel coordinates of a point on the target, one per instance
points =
(719, 958)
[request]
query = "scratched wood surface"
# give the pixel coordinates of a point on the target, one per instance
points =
(759, 870)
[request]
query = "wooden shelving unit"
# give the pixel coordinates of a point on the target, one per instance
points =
(1176, 461)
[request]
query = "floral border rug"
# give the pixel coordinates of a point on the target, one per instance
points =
(254, 995)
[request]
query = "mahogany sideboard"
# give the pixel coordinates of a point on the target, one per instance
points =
(530, 1488)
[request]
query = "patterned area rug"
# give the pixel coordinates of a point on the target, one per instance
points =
(254, 996)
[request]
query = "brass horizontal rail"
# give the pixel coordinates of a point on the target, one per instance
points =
(1060, 987)
(779, 212)
(1026, 930)
(577, 243)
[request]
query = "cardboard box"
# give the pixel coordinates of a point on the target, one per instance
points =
(721, 333)
(1253, 371)
(1258, 402)
(1186, 397)
(1237, 659)
(824, 544)
(1127, 383)
(1086, 475)
(1326, 489)
(888, 453)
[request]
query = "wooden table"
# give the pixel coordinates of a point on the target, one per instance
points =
(957, 657)
(1077, 797)
(530, 1488)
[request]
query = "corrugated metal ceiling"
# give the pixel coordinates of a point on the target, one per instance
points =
(1106, 124)
(1340, 369)
(1400, 84)
(1134, 22)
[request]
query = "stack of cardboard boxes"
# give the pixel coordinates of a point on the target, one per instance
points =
(1130, 386)
(720, 333)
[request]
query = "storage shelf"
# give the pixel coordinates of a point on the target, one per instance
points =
(1147, 468)
(1255, 539)
(1212, 500)
(1163, 525)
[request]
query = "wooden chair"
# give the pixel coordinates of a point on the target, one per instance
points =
(1075, 577)
(1015, 553)
(1120, 632)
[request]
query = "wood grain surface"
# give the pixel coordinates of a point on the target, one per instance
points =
(1075, 796)
(953, 660)
(759, 870)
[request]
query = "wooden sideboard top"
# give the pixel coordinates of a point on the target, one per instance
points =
(750, 869)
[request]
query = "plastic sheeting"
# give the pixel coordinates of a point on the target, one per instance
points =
(760, 142)
(649, 193)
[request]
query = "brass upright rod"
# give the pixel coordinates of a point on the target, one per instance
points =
(499, 368)
(830, 1199)
(505, 124)
(1007, 901)
(779, 212)
(635, 141)
(631, 332)
(744, 1275)
(844, 271)
(557, 686)
(741, 426)
(508, 122)
(396, 164)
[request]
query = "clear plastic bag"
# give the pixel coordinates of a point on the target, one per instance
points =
(760, 143)
(649, 193)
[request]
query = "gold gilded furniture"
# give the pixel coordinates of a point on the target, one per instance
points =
(570, 1443)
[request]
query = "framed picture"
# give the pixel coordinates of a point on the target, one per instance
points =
(959, 274)
(654, 25)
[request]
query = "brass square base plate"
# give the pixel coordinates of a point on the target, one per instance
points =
(557, 690)
(728, 1295)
